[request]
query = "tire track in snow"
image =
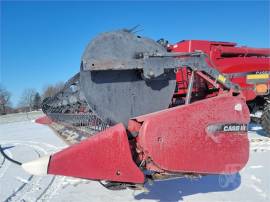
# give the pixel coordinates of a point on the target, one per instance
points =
(33, 180)
(46, 189)
(5, 166)
(52, 190)
(20, 190)
(9, 198)
(3, 161)
(261, 144)
(28, 190)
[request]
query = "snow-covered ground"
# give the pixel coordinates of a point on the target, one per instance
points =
(18, 117)
(25, 140)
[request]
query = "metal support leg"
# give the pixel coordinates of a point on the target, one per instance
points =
(190, 86)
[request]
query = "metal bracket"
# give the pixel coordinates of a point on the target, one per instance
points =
(156, 66)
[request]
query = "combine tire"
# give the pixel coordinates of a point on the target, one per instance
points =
(265, 120)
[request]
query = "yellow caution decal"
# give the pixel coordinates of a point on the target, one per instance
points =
(257, 76)
(221, 78)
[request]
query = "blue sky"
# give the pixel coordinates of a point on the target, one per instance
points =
(42, 42)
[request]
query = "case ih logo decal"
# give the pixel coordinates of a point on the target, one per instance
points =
(263, 72)
(232, 127)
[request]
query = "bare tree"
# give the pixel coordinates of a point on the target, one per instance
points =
(27, 98)
(51, 90)
(4, 99)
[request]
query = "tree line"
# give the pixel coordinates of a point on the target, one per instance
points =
(30, 99)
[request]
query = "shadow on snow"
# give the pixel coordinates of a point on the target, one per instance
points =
(253, 127)
(175, 189)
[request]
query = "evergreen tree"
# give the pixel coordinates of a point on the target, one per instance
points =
(37, 101)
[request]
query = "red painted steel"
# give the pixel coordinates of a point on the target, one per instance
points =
(44, 120)
(105, 156)
(228, 58)
(176, 139)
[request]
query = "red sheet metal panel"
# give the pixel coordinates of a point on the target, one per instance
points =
(105, 156)
(44, 120)
(177, 139)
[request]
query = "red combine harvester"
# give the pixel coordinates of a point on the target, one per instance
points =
(245, 66)
(161, 111)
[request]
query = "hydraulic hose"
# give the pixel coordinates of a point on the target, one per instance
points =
(8, 158)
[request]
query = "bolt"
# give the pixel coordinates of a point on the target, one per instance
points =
(118, 173)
